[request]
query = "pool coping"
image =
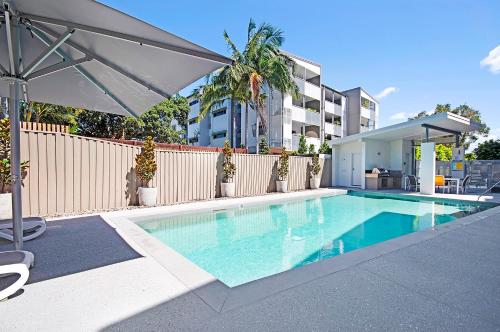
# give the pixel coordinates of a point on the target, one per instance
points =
(223, 298)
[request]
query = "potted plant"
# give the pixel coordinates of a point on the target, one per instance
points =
(5, 171)
(229, 169)
(145, 170)
(325, 151)
(282, 183)
(315, 180)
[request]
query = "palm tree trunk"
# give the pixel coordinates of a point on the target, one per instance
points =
(233, 123)
(246, 125)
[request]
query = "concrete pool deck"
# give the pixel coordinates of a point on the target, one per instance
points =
(89, 276)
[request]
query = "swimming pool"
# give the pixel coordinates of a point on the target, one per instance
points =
(244, 244)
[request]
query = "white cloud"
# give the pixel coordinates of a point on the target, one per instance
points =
(387, 91)
(492, 60)
(399, 116)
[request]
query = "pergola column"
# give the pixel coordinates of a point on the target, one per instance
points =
(427, 168)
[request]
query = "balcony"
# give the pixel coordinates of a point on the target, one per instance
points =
(309, 140)
(302, 115)
(365, 113)
(308, 89)
(333, 108)
(329, 128)
(333, 129)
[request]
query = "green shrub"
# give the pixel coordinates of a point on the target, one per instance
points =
(325, 148)
(283, 165)
(302, 145)
(263, 147)
(312, 149)
(229, 168)
(5, 161)
(315, 166)
(145, 162)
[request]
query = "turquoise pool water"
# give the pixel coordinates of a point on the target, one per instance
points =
(240, 245)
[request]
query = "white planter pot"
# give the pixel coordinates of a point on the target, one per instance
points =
(147, 196)
(227, 189)
(282, 186)
(6, 206)
(314, 182)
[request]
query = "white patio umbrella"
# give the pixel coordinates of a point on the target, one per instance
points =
(84, 54)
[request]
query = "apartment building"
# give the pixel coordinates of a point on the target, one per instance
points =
(319, 112)
(363, 111)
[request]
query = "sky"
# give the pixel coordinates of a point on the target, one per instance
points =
(411, 54)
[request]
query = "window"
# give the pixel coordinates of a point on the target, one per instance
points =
(219, 112)
(221, 134)
(193, 140)
(365, 102)
(193, 120)
(194, 102)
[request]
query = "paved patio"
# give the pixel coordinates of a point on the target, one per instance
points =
(88, 277)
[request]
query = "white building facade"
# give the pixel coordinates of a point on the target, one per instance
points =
(319, 112)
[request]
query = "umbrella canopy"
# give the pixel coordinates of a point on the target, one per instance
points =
(84, 54)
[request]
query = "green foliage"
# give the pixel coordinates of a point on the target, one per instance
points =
(263, 147)
(229, 168)
(315, 166)
(145, 162)
(325, 148)
(302, 145)
(283, 165)
(312, 149)
(466, 111)
(489, 150)
(157, 122)
(5, 155)
(260, 64)
(443, 152)
(98, 124)
(49, 113)
(470, 156)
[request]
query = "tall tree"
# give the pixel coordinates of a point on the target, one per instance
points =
(489, 150)
(259, 65)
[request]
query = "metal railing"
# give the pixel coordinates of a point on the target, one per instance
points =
(487, 190)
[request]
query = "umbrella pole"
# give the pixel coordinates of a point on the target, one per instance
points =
(15, 138)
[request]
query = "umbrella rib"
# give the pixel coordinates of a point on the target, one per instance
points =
(130, 38)
(105, 62)
(47, 52)
(10, 47)
(3, 71)
(57, 67)
(44, 39)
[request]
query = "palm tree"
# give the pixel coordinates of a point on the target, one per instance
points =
(259, 65)
(266, 67)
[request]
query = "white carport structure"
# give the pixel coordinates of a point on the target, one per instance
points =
(392, 148)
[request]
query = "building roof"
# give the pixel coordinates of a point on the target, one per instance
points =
(415, 129)
(334, 90)
(360, 88)
(291, 55)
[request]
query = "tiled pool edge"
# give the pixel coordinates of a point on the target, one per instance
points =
(223, 298)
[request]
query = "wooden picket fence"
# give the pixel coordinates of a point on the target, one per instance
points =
(49, 127)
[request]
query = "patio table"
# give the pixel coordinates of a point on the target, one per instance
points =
(456, 180)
